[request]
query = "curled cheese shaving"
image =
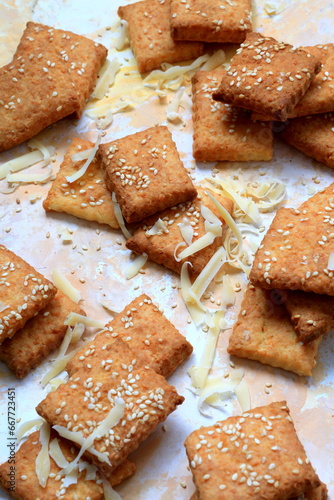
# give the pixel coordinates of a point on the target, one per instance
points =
(119, 217)
(330, 265)
(106, 78)
(29, 178)
(159, 227)
(135, 266)
(186, 230)
(209, 272)
(121, 41)
(46, 151)
(196, 309)
(217, 59)
(27, 426)
(202, 242)
(172, 110)
(74, 318)
(83, 169)
(56, 454)
(42, 463)
(65, 286)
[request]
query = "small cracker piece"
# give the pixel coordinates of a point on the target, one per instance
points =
(51, 76)
(150, 36)
(23, 292)
(269, 462)
(223, 132)
(319, 493)
(88, 197)
(90, 395)
(211, 20)
(313, 136)
(160, 247)
(156, 342)
(263, 332)
(146, 173)
(267, 76)
(40, 335)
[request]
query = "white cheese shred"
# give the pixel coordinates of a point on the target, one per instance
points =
(330, 265)
(243, 395)
(106, 78)
(172, 110)
(30, 178)
(56, 454)
(135, 266)
(42, 462)
(65, 286)
(186, 230)
(27, 426)
(79, 173)
(209, 272)
(109, 492)
(119, 217)
(120, 43)
(202, 242)
(217, 59)
(74, 318)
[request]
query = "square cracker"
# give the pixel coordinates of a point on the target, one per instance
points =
(23, 292)
(150, 36)
(313, 136)
(161, 247)
(264, 332)
(146, 173)
(40, 335)
(88, 197)
(294, 253)
(211, 20)
(27, 486)
(222, 132)
(90, 395)
(267, 76)
(269, 461)
(52, 74)
(156, 342)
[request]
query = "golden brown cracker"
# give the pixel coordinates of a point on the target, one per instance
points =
(52, 74)
(88, 197)
(146, 173)
(150, 36)
(223, 132)
(267, 76)
(254, 455)
(264, 332)
(23, 292)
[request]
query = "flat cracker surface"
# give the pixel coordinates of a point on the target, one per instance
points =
(156, 342)
(267, 76)
(223, 132)
(161, 247)
(23, 292)
(88, 197)
(264, 332)
(211, 20)
(40, 335)
(150, 36)
(146, 173)
(269, 461)
(52, 74)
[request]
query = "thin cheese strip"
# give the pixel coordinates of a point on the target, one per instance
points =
(106, 78)
(81, 155)
(43, 459)
(174, 71)
(74, 318)
(217, 59)
(136, 265)
(109, 492)
(204, 279)
(196, 310)
(159, 227)
(56, 454)
(217, 389)
(20, 163)
(330, 265)
(57, 367)
(65, 286)
(202, 242)
(83, 169)
(228, 294)
(123, 36)
(119, 217)
(186, 230)
(172, 110)
(30, 178)
(46, 151)
(243, 395)
(27, 426)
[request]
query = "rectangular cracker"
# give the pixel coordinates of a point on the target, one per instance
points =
(23, 292)
(269, 461)
(52, 74)
(90, 395)
(88, 197)
(142, 326)
(211, 20)
(150, 36)
(264, 332)
(146, 173)
(222, 132)
(161, 247)
(313, 136)
(295, 251)
(267, 76)
(40, 335)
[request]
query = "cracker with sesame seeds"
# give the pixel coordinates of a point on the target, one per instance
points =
(40, 335)
(255, 455)
(145, 172)
(223, 132)
(150, 36)
(160, 247)
(23, 292)
(88, 197)
(263, 332)
(91, 393)
(211, 20)
(51, 76)
(267, 76)
(156, 342)
(296, 250)
(313, 136)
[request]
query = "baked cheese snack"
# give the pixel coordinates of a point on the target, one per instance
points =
(256, 455)
(160, 244)
(141, 396)
(150, 36)
(40, 335)
(23, 292)
(267, 76)
(141, 325)
(145, 172)
(264, 332)
(211, 20)
(52, 74)
(223, 132)
(319, 493)
(88, 197)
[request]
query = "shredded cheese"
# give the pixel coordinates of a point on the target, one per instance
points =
(228, 294)
(79, 173)
(3, 306)
(186, 230)
(42, 463)
(202, 242)
(135, 266)
(27, 426)
(65, 286)
(172, 110)
(57, 367)
(29, 178)
(209, 272)
(217, 59)
(243, 395)
(108, 492)
(74, 318)
(121, 41)
(106, 78)
(46, 151)
(330, 265)
(81, 155)
(119, 217)
(196, 310)
(56, 454)
(159, 227)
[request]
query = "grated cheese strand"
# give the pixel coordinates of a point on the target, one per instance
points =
(27, 426)
(79, 173)
(106, 78)
(119, 217)
(136, 265)
(74, 318)
(65, 286)
(42, 463)
(56, 454)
